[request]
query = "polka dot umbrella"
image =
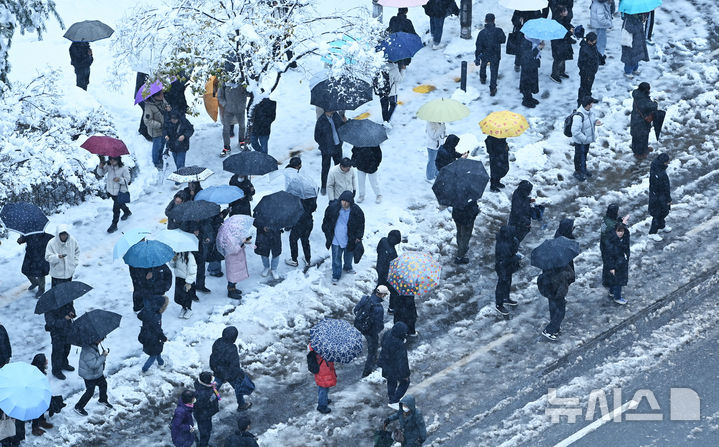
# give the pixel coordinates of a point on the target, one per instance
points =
(336, 340)
(414, 273)
(504, 124)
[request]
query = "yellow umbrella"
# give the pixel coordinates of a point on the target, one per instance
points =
(443, 110)
(504, 124)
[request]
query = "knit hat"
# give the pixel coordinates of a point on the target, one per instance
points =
(206, 377)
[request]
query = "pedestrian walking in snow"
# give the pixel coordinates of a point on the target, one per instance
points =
(154, 282)
(34, 266)
(562, 50)
(225, 365)
(436, 134)
(529, 59)
(182, 428)
(643, 109)
(242, 206)
(583, 134)
(589, 61)
(617, 252)
(634, 44)
(405, 310)
(660, 198)
(40, 423)
(438, 10)
(92, 369)
(367, 161)
(325, 378)
(329, 143)
(63, 254)
(58, 323)
(609, 223)
(394, 362)
(341, 178)
(386, 86)
(369, 320)
(464, 220)
(175, 95)
(236, 265)
(343, 227)
(117, 179)
(81, 59)
(506, 263)
(206, 405)
(242, 437)
(232, 98)
(185, 269)
(447, 152)
(488, 51)
(411, 422)
(377, 10)
(519, 18)
(179, 198)
(214, 257)
(386, 252)
(177, 132)
(306, 190)
(498, 151)
(5, 347)
(566, 229)
(554, 285)
(151, 335)
(140, 80)
(601, 14)
(263, 115)
(269, 242)
(155, 110)
(520, 216)
(400, 23)
(206, 235)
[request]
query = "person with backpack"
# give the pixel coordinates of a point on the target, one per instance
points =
(182, 428)
(206, 406)
(583, 134)
(369, 320)
(325, 378)
(506, 263)
(263, 115)
(554, 285)
(386, 85)
(617, 254)
(411, 422)
(225, 365)
(588, 62)
(394, 362)
(488, 51)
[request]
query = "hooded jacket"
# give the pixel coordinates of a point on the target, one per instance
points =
(355, 223)
(34, 263)
(376, 313)
(80, 56)
(173, 131)
(498, 152)
(263, 115)
(400, 24)
(206, 405)
(92, 363)
(411, 424)
(57, 325)
(659, 187)
(225, 357)
(589, 58)
(111, 173)
(151, 335)
(242, 206)
(600, 13)
(393, 357)
(488, 45)
(242, 439)
(326, 377)
(530, 61)
(617, 252)
(642, 107)
(447, 152)
(62, 268)
(521, 214)
(505, 251)
(465, 215)
(566, 226)
(180, 426)
(339, 181)
(386, 252)
(559, 280)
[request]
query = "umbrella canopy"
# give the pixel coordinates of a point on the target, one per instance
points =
(554, 253)
(336, 340)
(414, 273)
(402, 3)
(92, 327)
(190, 174)
(148, 254)
(340, 94)
(23, 217)
(504, 124)
(400, 46)
(179, 241)
(443, 110)
(233, 233)
(524, 5)
(299, 185)
(543, 29)
(362, 133)
(88, 31)
(24, 391)
(220, 194)
(460, 182)
(102, 145)
(278, 210)
(146, 91)
(250, 163)
(127, 240)
(194, 210)
(60, 295)
(638, 6)
(336, 51)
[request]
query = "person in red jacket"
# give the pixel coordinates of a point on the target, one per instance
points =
(325, 379)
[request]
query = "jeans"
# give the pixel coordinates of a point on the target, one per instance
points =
(372, 344)
(235, 386)
(82, 76)
(377, 11)
(580, 158)
(586, 82)
(116, 208)
(271, 265)
(616, 291)
(557, 308)
(372, 181)
(179, 158)
(493, 72)
(58, 356)
(157, 145)
(601, 40)
(333, 154)
(214, 267)
(259, 143)
(435, 28)
(338, 254)
(204, 426)
(504, 285)
(630, 68)
(396, 389)
(90, 385)
(151, 360)
(388, 104)
(431, 171)
(322, 396)
(464, 234)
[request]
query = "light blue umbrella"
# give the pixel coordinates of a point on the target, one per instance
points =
(24, 391)
(127, 240)
(220, 194)
(543, 29)
(638, 6)
(148, 254)
(337, 50)
(178, 240)
(336, 340)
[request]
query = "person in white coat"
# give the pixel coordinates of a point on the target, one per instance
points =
(583, 134)
(436, 134)
(63, 254)
(340, 179)
(391, 77)
(185, 268)
(117, 178)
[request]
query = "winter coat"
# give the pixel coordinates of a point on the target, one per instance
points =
(80, 55)
(376, 319)
(180, 426)
(111, 173)
(263, 114)
(214, 254)
(638, 51)
(233, 99)
(5, 348)
(520, 216)
(559, 280)
(530, 62)
(589, 58)
(616, 257)
(498, 151)
(386, 252)
(57, 325)
(488, 45)
(158, 284)
(339, 181)
(436, 134)
(505, 251)
(411, 424)
(562, 48)
(323, 132)
(642, 107)
(400, 24)
(225, 357)
(439, 8)
(236, 266)
(395, 78)
(154, 116)
(446, 154)
(242, 206)
(151, 335)
(62, 268)
(659, 187)
(565, 229)
(393, 357)
(242, 439)
(268, 241)
(34, 263)
(186, 270)
(583, 126)
(206, 405)
(175, 96)
(327, 377)
(92, 363)
(355, 224)
(465, 215)
(600, 13)
(554, 6)
(174, 130)
(367, 159)
(519, 18)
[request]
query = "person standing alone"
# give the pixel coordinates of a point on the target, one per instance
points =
(81, 59)
(488, 51)
(583, 134)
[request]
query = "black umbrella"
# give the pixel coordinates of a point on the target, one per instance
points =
(23, 217)
(92, 327)
(194, 210)
(60, 295)
(88, 31)
(340, 94)
(278, 210)
(659, 116)
(460, 182)
(190, 174)
(250, 163)
(362, 133)
(554, 253)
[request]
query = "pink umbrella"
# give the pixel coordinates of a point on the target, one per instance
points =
(402, 3)
(233, 233)
(146, 91)
(101, 145)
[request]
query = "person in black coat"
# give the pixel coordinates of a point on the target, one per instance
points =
(301, 232)
(242, 437)
(643, 109)
(556, 286)
(263, 115)
(34, 265)
(140, 80)
(329, 143)
(464, 220)
(520, 216)
(367, 161)
(562, 50)
(242, 206)
(488, 50)
(529, 77)
(81, 59)
(400, 23)
(206, 234)
(350, 234)
(617, 254)
(447, 152)
(206, 406)
(498, 151)
(268, 242)
(609, 223)
(137, 276)
(175, 96)
(588, 62)
(506, 262)
(372, 324)
(225, 364)
(58, 323)
(394, 363)
(660, 198)
(437, 10)
(156, 281)
(151, 335)
(214, 257)
(556, 7)
(386, 252)
(519, 18)
(177, 132)
(5, 347)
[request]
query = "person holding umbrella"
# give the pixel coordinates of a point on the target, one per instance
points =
(447, 152)
(81, 59)
(562, 50)
(498, 151)
(40, 362)
(343, 226)
(242, 206)
(488, 51)
(154, 117)
(464, 217)
(185, 268)
(304, 189)
(117, 179)
(232, 238)
(367, 160)
(519, 18)
(91, 369)
(643, 111)
(58, 323)
(151, 335)
(498, 126)
(386, 253)
(394, 362)
(63, 254)
(325, 378)
(328, 142)
(269, 242)
(34, 266)
(438, 10)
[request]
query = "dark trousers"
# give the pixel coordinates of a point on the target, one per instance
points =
(464, 234)
(82, 75)
(204, 426)
(436, 25)
(504, 285)
(557, 308)
(183, 298)
(37, 281)
(303, 235)
(332, 154)
(580, 157)
(138, 301)
(649, 25)
(493, 72)
(200, 260)
(388, 104)
(396, 389)
(36, 422)
(116, 208)
(640, 144)
(372, 344)
(406, 312)
(60, 352)
(558, 67)
(56, 281)
(586, 82)
(658, 223)
(90, 385)
(521, 233)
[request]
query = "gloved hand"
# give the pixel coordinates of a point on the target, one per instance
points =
(188, 287)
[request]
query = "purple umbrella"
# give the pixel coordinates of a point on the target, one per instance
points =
(146, 91)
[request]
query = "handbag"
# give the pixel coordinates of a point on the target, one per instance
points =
(627, 38)
(7, 427)
(123, 197)
(513, 43)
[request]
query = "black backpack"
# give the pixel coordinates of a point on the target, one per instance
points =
(568, 123)
(312, 365)
(381, 84)
(363, 315)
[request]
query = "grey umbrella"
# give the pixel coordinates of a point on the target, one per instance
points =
(88, 31)
(362, 133)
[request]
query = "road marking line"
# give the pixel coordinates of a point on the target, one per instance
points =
(631, 405)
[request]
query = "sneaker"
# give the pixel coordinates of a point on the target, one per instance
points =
(323, 191)
(534, 100)
(275, 274)
(655, 237)
(387, 125)
(390, 310)
(628, 75)
(108, 405)
(126, 215)
(665, 229)
(492, 92)
(203, 289)
(549, 336)
(482, 81)
(528, 104)
(636, 72)
(112, 228)
(360, 199)
(244, 406)
(501, 185)
(187, 314)
(413, 334)
(265, 272)
(494, 188)
(335, 281)
(501, 310)
(59, 375)
(393, 405)
(556, 79)
(291, 262)
(378, 199)
(350, 271)
(183, 311)
(510, 302)
(324, 410)
(80, 411)
(225, 152)
(621, 301)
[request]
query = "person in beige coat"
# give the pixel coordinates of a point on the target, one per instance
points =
(117, 178)
(340, 179)
(154, 118)
(63, 254)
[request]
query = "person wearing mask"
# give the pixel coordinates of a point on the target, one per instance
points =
(488, 51)
(328, 142)
(91, 369)
(206, 405)
(177, 131)
(81, 59)
(660, 198)
(151, 335)
(617, 256)
(643, 109)
(340, 179)
(34, 266)
(436, 134)
(182, 428)
(411, 422)
(447, 152)
(589, 61)
(498, 151)
(155, 110)
(58, 323)
(464, 220)
(583, 134)
(117, 179)
(263, 115)
(225, 365)
(242, 206)
(369, 320)
(506, 263)
(63, 254)
(343, 227)
(394, 362)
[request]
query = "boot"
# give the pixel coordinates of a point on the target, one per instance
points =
(45, 424)
(33, 282)
(125, 215)
(234, 293)
(40, 286)
(112, 228)
(37, 431)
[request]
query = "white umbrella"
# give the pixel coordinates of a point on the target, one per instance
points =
(178, 240)
(524, 5)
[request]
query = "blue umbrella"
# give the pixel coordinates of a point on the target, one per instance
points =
(638, 6)
(127, 240)
(220, 194)
(337, 50)
(23, 217)
(336, 340)
(554, 253)
(24, 391)
(543, 29)
(400, 46)
(148, 254)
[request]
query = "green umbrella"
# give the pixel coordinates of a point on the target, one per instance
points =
(443, 110)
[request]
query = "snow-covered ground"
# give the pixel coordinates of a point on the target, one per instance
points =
(457, 319)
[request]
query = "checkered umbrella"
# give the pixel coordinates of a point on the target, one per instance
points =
(414, 273)
(336, 340)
